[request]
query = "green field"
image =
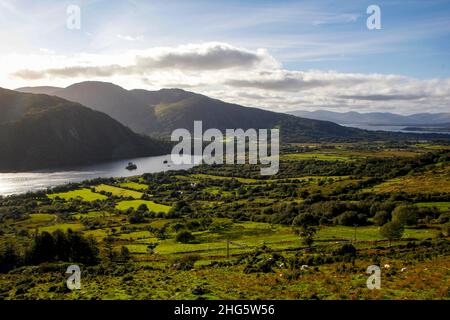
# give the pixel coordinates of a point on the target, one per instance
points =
(124, 205)
(134, 186)
(83, 194)
(214, 177)
(118, 192)
(314, 156)
(443, 206)
(225, 232)
(62, 226)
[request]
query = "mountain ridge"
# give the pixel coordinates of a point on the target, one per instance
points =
(158, 113)
(375, 118)
(162, 111)
(39, 131)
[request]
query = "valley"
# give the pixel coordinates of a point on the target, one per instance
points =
(226, 232)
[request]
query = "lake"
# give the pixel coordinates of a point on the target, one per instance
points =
(22, 182)
(389, 128)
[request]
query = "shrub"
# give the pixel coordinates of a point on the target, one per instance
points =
(9, 258)
(136, 217)
(184, 236)
(346, 249)
(70, 247)
(406, 215)
(392, 230)
(381, 217)
(186, 262)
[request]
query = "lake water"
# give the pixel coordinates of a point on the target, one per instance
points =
(388, 128)
(21, 182)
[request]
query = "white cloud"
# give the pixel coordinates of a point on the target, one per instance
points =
(129, 38)
(239, 75)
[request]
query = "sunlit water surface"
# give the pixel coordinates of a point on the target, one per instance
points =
(21, 182)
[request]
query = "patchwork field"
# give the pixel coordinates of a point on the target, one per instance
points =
(134, 204)
(118, 192)
(82, 194)
(225, 232)
(434, 181)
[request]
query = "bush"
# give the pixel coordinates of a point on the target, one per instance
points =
(9, 258)
(381, 217)
(184, 236)
(136, 217)
(392, 230)
(186, 262)
(446, 230)
(406, 215)
(346, 249)
(69, 247)
(350, 218)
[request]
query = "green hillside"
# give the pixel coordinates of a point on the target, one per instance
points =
(39, 131)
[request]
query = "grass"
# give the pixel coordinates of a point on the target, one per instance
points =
(213, 177)
(443, 206)
(134, 186)
(118, 192)
(413, 184)
(42, 217)
(92, 214)
(367, 233)
(314, 156)
(83, 194)
(434, 180)
(218, 191)
(152, 206)
(62, 226)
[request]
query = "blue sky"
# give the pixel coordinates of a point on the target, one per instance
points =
(301, 36)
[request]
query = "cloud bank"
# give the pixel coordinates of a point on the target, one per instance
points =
(240, 75)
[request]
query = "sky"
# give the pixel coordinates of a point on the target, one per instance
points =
(276, 55)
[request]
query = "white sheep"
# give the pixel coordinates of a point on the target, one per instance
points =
(403, 269)
(304, 267)
(387, 266)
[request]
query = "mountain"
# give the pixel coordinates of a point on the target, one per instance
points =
(40, 131)
(43, 90)
(163, 96)
(375, 118)
(108, 98)
(158, 113)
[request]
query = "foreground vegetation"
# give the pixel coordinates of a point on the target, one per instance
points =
(225, 232)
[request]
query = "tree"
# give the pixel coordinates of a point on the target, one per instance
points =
(350, 218)
(151, 247)
(307, 233)
(305, 219)
(109, 250)
(42, 249)
(136, 217)
(381, 217)
(142, 207)
(70, 247)
(184, 236)
(406, 215)
(9, 258)
(392, 231)
(124, 255)
(61, 245)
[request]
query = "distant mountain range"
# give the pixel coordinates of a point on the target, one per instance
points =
(40, 131)
(88, 122)
(160, 112)
(377, 118)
